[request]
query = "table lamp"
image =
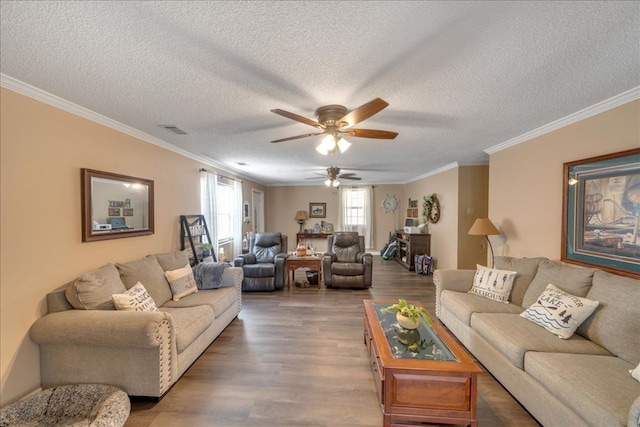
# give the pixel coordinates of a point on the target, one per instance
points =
(301, 217)
(484, 227)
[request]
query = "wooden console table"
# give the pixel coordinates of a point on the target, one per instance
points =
(410, 245)
(303, 236)
(421, 375)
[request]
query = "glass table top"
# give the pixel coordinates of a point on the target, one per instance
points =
(422, 343)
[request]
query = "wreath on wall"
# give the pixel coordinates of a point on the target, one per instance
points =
(430, 209)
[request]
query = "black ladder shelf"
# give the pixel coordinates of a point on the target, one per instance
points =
(194, 231)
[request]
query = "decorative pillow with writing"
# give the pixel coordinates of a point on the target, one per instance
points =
(181, 282)
(492, 283)
(135, 299)
(559, 312)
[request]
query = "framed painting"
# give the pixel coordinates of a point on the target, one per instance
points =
(601, 213)
(317, 210)
(114, 211)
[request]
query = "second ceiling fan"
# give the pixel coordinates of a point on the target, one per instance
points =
(333, 176)
(336, 121)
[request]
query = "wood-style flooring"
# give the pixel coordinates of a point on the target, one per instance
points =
(296, 358)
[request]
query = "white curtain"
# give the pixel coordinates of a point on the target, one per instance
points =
(208, 185)
(237, 218)
(364, 225)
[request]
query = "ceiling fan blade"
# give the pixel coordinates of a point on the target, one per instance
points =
(362, 113)
(298, 118)
(297, 137)
(346, 175)
(370, 133)
(317, 177)
(354, 178)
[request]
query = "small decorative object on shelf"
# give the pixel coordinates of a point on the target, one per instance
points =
(408, 315)
(301, 250)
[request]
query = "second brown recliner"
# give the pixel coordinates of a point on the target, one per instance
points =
(346, 264)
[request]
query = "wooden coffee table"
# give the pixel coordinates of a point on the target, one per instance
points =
(421, 376)
(312, 261)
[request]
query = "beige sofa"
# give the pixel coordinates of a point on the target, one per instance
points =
(580, 381)
(142, 352)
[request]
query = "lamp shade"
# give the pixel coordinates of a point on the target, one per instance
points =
(483, 227)
(301, 215)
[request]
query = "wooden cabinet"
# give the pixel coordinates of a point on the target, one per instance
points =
(410, 245)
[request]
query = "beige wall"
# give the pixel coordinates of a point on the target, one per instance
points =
(42, 150)
(525, 199)
(283, 202)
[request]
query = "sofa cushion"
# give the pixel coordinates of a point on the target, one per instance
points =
(514, 336)
(599, 388)
(148, 272)
(181, 282)
(615, 325)
(463, 305)
(93, 290)
(189, 323)
(347, 269)
(135, 299)
(218, 299)
(526, 269)
(172, 261)
(259, 270)
(492, 283)
(574, 280)
(559, 312)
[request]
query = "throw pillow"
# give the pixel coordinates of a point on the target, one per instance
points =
(492, 283)
(559, 312)
(135, 299)
(635, 373)
(93, 290)
(181, 282)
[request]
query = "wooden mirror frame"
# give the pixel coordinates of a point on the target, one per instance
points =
(88, 233)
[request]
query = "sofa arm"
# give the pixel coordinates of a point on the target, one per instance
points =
(454, 280)
(103, 328)
(232, 277)
(634, 413)
(243, 259)
(135, 351)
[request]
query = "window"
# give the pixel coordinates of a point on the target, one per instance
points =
(225, 200)
(354, 208)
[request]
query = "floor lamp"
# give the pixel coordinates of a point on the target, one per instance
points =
(484, 227)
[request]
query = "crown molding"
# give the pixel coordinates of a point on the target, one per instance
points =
(601, 107)
(26, 89)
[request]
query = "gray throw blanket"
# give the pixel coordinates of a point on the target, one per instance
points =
(209, 274)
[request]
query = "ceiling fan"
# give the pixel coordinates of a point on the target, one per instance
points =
(333, 176)
(335, 121)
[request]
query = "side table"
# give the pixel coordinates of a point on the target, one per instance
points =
(312, 261)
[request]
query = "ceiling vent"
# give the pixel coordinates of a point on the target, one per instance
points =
(174, 129)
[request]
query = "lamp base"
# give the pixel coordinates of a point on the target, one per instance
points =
(301, 224)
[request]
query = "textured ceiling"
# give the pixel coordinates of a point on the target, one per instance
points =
(459, 77)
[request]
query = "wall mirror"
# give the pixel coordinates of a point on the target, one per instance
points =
(115, 206)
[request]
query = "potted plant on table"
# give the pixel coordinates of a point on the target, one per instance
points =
(206, 249)
(408, 315)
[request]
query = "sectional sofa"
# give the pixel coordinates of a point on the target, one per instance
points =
(582, 380)
(84, 339)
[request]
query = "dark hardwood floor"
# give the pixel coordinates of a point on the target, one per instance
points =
(296, 358)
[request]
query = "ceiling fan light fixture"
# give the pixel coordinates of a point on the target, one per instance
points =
(343, 145)
(327, 145)
(328, 182)
(336, 183)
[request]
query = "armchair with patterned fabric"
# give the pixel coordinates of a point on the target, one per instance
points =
(265, 265)
(346, 264)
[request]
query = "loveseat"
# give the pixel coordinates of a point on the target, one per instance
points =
(84, 339)
(581, 380)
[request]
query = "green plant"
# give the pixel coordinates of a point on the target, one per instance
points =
(206, 248)
(411, 311)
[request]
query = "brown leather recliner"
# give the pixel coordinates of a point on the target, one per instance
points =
(265, 266)
(346, 264)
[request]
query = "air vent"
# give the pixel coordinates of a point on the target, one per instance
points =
(174, 129)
